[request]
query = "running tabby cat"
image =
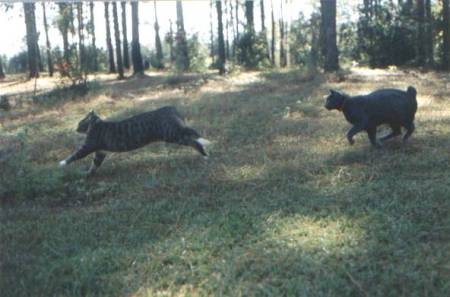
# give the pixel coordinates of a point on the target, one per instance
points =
(164, 124)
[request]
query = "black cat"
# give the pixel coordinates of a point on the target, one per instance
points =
(164, 124)
(396, 108)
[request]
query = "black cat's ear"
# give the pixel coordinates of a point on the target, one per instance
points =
(334, 92)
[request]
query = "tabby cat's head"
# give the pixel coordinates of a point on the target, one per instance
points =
(89, 119)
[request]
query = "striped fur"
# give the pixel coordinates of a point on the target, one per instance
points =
(164, 124)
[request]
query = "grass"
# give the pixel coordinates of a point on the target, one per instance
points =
(284, 206)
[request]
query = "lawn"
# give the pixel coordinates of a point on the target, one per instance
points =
(283, 207)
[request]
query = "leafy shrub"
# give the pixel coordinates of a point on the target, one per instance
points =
(251, 51)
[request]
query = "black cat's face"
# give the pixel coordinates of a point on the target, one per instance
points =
(334, 100)
(84, 124)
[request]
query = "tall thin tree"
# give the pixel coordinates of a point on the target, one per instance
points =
(182, 48)
(328, 12)
(263, 28)
(274, 53)
(247, 54)
(47, 42)
(446, 35)
(250, 25)
(237, 19)
(421, 37)
(92, 32)
(227, 29)
(126, 52)
(138, 66)
(2, 73)
(211, 32)
(282, 37)
(118, 43)
(112, 65)
(81, 51)
(221, 43)
(158, 45)
(169, 40)
(429, 34)
(64, 26)
(287, 32)
(31, 37)
(233, 29)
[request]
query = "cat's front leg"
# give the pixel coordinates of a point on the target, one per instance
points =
(79, 154)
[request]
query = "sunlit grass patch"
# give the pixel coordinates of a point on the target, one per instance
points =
(322, 236)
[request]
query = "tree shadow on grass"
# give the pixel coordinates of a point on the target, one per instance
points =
(251, 221)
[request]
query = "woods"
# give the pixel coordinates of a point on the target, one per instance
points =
(376, 33)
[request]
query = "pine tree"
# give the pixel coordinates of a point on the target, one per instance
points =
(222, 57)
(181, 42)
(126, 52)
(328, 29)
(158, 45)
(92, 32)
(138, 66)
(32, 39)
(118, 44)
(112, 65)
(47, 43)
(446, 34)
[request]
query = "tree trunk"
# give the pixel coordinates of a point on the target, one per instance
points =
(287, 33)
(126, 53)
(237, 19)
(248, 52)
(275, 61)
(81, 52)
(158, 45)
(233, 28)
(118, 43)
(92, 29)
(2, 73)
(112, 65)
(263, 29)
(221, 61)
(250, 27)
(421, 38)
(328, 10)
(227, 26)
(263, 17)
(315, 43)
(446, 35)
(282, 37)
(429, 34)
(182, 49)
(64, 29)
(47, 43)
(211, 28)
(138, 66)
(170, 41)
(32, 44)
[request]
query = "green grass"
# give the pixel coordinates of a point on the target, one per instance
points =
(283, 207)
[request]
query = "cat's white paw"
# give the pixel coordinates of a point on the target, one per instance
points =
(62, 163)
(205, 158)
(203, 141)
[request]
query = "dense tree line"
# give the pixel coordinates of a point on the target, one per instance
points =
(385, 32)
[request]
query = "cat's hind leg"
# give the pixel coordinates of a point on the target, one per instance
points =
(96, 162)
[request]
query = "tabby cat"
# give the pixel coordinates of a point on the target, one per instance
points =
(163, 124)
